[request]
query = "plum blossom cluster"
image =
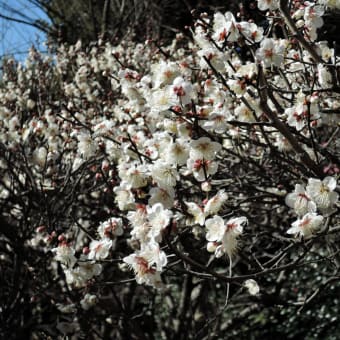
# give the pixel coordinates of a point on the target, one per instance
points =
(312, 203)
(78, 271)
(158, 133)
(222, 236)
(146, 164)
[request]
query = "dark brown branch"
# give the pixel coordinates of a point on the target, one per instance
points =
(24, 22)
(283, 128)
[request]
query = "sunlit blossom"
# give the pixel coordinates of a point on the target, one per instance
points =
(306, 226)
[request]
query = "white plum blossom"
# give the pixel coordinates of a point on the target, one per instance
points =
(202, 168)
(159, 219)
(245, 114)
(139, 223)
(111, 228)
(251, 31)
(141, 232)
(161, 100)
(88, 301)
(271, 52)
(201, 38)
(147, 264)
(307, 225)
(299, 115)
(138, 216)
(238, 86)
(300, 201)
(165, 196)
(183, 90)
(99, 250)
(79, 276)
(204, 148)
(196, 214)
(103, 128)
(155, 255)
(324, 76)
(30, 104)
(217, 119)
(87, 147)
(225, 28)
(247, 71)
(322, 192)
(164, 174)
(124, 197)
(313, 19)
(215, 203)
(13, 123)
(133, 174)
(215, 229)
(252, 286)
(164, 73)
(64, 253)
(40, 156)
(326, 52)
(225, 234)
(215, 57)
(267, 4)
(282, 143)
(177, 152)
(151, 148)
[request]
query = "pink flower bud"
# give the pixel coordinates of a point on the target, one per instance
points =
(41, 229)
(61, 238)
(206, 186)
(105, 165)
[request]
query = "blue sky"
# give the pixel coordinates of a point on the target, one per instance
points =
(17, 38)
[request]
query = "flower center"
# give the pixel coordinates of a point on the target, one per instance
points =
(304, 222)
(231, 226)
(143, 266)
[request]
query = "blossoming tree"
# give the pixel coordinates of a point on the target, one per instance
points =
(174, 192)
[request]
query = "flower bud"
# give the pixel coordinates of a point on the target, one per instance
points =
(41, 229)
(61, 238)
(211, 247)
(206, 186)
